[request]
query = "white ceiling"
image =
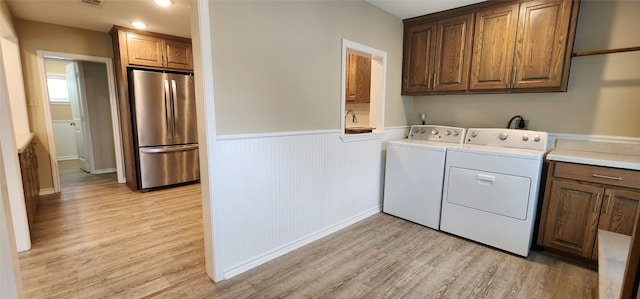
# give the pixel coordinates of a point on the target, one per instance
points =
(405, 9)
(174, 20)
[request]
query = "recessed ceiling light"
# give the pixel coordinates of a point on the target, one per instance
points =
(139, 24)
(163, 2)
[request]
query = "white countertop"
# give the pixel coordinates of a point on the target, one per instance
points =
(22, 140)
(608, 154)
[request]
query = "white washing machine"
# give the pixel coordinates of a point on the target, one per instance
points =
(491, 187)
(414, 173)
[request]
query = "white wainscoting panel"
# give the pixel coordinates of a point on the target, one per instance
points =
(280, 192)
(65, 140)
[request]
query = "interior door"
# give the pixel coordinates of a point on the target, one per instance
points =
(79, 119)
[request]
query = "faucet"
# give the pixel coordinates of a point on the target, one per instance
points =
(354, 119)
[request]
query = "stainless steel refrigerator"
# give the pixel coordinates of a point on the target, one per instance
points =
(165, 132)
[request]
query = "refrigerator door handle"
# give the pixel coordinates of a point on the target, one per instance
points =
(181, 148)
(168, 115)
(174, 101)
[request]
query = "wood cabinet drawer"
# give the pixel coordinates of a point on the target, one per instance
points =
(598, 174)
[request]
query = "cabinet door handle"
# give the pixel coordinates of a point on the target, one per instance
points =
(434, 81)
(429, 82)
(606, 210)
(515, 75)
(617, 178)
(595, 207)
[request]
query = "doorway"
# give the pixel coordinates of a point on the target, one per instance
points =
(81, 115)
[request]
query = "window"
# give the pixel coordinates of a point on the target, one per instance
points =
(362, 111)
(57, 87)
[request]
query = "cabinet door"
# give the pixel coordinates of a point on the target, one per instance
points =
(419, 52)
(541, 42)
(618, 213)
(453, 53)
(494, 42)
(351, 71)
(363, 79)
(572, 217)
(144, 50)
(178, 55)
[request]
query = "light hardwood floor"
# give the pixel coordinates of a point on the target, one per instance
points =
(100, 240)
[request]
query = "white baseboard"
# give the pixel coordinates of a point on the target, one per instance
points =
(104, 170)
(268, 256)
(46, 191)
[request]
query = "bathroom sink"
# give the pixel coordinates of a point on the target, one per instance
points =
(358, 130)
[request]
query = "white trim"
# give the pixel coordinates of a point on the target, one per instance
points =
(105, 170)
(203, 66)
(551, 143)
(115, 118)
(275, 134)
(345, 137)
(65, 158)
(361, 136)
(47, 191)
(287, 248)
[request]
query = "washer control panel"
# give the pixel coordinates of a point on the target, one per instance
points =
(437, 133)
(524, 139)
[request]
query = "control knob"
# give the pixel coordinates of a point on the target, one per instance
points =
(503, 136)
(422, 131)
(415, 130)
(525, 137)
(474, 133)
(434, 132)
(536, 138)
(447, 133)
(456, 133)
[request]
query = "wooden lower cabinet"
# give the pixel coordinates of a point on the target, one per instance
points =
(30, 182)
(572, 218)
(573, 211)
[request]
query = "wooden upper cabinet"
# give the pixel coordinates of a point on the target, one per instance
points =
(358, 79)
(178, 55)
(541, 44)
(437, 55)
(453, 53)
(419, 56)
(494, 42)
(152, 51)
(144, 50)
(493, 46)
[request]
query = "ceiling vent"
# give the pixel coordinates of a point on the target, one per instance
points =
(94, 3)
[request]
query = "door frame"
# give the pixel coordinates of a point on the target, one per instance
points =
(115, 116)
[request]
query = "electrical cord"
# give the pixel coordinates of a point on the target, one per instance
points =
(520, 124)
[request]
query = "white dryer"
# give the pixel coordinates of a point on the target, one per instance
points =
(491, 187)
(414, 173)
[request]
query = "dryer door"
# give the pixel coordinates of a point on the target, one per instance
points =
(477, 189)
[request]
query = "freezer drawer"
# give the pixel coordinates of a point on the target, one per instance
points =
(168, 165)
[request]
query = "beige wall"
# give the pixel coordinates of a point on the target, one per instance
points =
(42, 36)
(604, 91)
(277, 63)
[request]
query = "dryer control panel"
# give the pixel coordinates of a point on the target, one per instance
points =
(513, 138)
(437, 133)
